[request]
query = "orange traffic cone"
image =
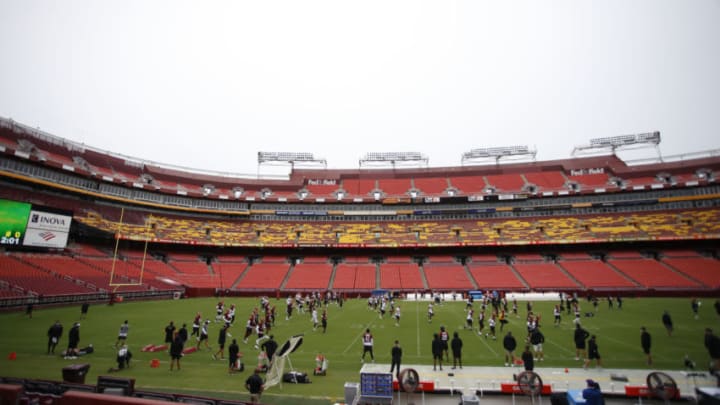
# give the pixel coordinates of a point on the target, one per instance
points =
(12, 356)
(154, 363)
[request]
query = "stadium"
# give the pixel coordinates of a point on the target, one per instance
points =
(152, 242)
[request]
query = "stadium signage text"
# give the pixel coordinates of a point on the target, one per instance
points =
(322, 182)
(582, 172)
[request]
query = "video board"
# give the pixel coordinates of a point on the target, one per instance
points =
(22, 224)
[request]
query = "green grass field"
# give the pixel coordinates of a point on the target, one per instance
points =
(617, 330)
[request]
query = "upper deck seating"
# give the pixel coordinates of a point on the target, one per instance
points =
(394, 187)
(359, 187)
(322, 190)
(433, 186)
(547, 180)
(506, 182)
(590, 181)
(468, 184)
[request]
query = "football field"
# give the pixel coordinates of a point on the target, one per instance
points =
(618, 337)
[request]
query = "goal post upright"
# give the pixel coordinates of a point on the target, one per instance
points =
(118, 236)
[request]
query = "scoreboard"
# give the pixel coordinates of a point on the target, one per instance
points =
(13, 221)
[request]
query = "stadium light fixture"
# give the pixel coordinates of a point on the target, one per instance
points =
(625, 142)
(291, 158)
(496, 153)
(394, 159)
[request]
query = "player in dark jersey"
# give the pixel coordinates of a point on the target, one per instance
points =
(196, 325)
(444, 341)
(169, 333)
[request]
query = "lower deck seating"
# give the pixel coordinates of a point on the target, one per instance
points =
(704, 270)
(354, 277)
(447, 277)
(595, 274)
(651, 274)
(495, 277)
(544, 276)
(198, 268)
(401, 277)
(263, 276)
(20, 274)
(309, 276)
(229, 272)
(55, 274)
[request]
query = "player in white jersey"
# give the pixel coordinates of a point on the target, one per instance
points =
(396, 315)
(122, 333)
(430, 312)
(367, 340)
(491, 324)
(314, 318)
(383, 308)
(481, 322)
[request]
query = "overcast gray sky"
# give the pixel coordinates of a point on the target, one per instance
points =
(208, 84)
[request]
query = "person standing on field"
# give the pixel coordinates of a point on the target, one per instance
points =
(667, 323)
(437, 351)
(509, 344)
(456, 345)
(54, 334)
(645, 343)
(396, 357)
(580, 337)
(367, 339)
